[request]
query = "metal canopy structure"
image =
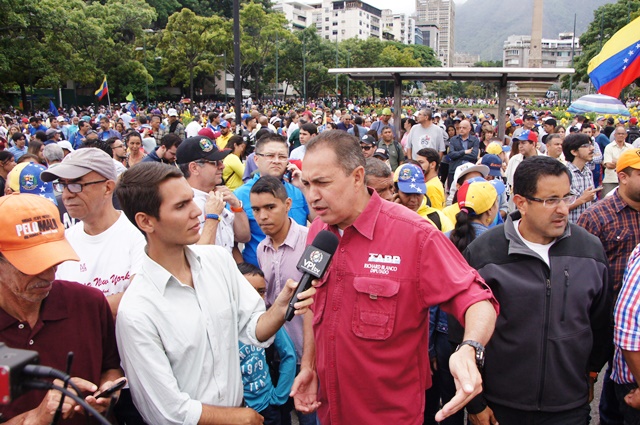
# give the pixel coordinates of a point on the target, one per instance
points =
(502, 76)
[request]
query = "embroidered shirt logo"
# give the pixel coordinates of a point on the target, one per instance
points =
(379, 258)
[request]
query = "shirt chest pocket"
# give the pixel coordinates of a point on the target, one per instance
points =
(374, 311)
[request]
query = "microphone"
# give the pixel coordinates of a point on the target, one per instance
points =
(313, 263)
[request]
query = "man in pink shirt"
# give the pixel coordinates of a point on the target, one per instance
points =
(371, 310)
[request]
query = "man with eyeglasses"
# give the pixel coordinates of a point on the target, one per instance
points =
(272, 159)
(368, 145)
(578, 151)
(551, 279)
(110, 247)
(200, 161)
(611, 154)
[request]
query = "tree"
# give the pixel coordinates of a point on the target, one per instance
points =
(35, 52)
(607, 20)
(259, 31)
(189, 46)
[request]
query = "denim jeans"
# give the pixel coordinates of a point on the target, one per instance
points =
(630, 415)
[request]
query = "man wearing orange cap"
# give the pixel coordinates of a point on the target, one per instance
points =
(616, 221)
(50, 317)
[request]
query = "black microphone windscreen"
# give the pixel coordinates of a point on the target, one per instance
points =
(326, 241)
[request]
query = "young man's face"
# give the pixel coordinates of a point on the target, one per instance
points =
(305, 136)
(179, 216)
(270, 212)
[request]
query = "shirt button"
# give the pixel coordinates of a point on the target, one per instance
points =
(30, 342)
(341, 249)
(335, 308)
(21, 326)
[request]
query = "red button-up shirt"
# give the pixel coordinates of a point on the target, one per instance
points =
(371, 314)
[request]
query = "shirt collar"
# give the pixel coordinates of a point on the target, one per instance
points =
(366, 221)
(160, 277)
(54, 307)
(618, 202)
(291, 238)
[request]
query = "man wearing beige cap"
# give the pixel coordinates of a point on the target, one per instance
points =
(110, 246)
(51, 317)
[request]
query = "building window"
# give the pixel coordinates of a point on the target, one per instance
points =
(335, 24)
(335, 32)
(326, 19)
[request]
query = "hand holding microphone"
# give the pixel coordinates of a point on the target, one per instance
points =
(313, 264)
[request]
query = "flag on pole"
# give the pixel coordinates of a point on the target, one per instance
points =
(618, 63)
(103, 90)
(52, 109)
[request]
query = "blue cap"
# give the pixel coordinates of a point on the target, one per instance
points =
(411, 179)
(494, 163)
(30, 182)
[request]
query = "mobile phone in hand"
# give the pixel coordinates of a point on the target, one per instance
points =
(115, 387)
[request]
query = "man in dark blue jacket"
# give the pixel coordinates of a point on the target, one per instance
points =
(464, 147)
(553, 334)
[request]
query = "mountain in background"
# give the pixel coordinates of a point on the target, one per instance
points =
(482, 26)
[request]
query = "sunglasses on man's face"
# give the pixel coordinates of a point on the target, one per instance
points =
(366, 148)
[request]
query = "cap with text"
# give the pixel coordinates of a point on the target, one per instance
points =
(31, 234)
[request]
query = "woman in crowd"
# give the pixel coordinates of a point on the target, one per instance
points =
(233, 166)
(135, 153)
(36, 147)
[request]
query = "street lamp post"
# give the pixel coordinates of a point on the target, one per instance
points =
(224, 77)
(304, 69)
(144, 52)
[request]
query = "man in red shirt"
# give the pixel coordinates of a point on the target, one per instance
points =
(370, 315)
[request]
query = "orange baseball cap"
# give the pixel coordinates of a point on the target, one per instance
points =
(31, 233)
(629, 158)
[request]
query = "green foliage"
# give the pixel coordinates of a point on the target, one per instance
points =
(607, 20)
(189, 46)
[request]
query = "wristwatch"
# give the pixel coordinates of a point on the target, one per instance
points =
(479, 349)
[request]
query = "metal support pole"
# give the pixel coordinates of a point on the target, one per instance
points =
(304, 70)
(397, 103)
(236, 65)
(275, 91)
(502, 107)
(573, 43)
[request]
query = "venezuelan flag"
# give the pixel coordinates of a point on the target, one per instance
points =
(618, 63)
(103, 90)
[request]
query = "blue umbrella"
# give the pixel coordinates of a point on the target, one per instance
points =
(600, 104)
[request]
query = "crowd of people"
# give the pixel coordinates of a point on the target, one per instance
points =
(493, 275)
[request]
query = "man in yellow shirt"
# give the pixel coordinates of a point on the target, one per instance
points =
(429, 160)
(225, 135)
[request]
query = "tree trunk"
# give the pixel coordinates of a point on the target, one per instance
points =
(191, 84)
(23, 95)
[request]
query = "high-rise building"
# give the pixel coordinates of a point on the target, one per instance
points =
(299, 15)
(556, 53)
(465, 60)
(443, 14)
(398, 27)
(340, 20)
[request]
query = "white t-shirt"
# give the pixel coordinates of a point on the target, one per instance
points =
(429, 137)
(108, 260)
(192, 128)
(541, 250)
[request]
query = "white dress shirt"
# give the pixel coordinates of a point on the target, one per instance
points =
(178, 344)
